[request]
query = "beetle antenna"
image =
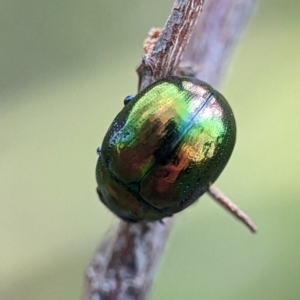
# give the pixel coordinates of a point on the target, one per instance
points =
(226, 203)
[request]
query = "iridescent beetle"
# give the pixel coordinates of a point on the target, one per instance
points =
(164, 149)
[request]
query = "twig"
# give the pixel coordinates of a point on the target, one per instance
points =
(124, 265)
(212, 43)
(226, 203)
(166, 54)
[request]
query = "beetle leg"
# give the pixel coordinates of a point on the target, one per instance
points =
(128, 99)
(99, 150)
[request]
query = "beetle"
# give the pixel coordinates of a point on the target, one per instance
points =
(164, 149)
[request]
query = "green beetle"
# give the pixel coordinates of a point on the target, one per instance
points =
(164, 149)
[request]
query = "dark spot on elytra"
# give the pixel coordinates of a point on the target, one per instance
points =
(168, 143)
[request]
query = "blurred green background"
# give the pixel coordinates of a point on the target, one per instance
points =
(65, 67)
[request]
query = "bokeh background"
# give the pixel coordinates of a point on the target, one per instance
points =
(65, 68)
